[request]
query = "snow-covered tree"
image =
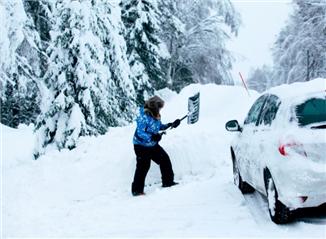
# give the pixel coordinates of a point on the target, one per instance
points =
(172, 33)
(198, 32)
(10, 108)
(19, 65)
(260, 78)
(88, 83)
(300, 50)
(40, 12)
(141, 20)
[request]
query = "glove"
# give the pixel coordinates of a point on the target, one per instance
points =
(176, 123)
(156, 137)
(168, 125)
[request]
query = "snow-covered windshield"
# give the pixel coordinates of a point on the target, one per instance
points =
(311, 111)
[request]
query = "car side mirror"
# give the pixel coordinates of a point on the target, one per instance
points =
(233, 126)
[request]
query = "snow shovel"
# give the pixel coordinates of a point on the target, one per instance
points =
(193, 110)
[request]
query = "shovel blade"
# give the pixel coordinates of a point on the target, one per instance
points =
(193, 108)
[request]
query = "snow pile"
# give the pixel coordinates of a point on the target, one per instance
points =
(299, 88)
(17, 146)
(86, 191)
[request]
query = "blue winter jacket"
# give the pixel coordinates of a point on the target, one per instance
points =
(146, 127)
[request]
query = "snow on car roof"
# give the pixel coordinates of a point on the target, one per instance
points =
(299, 88)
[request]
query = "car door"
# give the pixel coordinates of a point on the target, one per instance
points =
(245, 143)
(265, 138)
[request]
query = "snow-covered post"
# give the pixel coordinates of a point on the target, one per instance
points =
(244, 84)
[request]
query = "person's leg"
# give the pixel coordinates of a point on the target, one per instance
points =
(143, 156)
(162, 158)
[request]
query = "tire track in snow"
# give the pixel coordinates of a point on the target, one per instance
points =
(258, 207)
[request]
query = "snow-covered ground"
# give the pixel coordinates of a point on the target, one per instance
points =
(86, 192)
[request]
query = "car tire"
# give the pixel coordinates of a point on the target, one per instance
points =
(244, 187)
(279, 213)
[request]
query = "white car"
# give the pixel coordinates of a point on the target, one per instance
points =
(280, 150)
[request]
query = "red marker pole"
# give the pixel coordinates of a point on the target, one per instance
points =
(244, 83)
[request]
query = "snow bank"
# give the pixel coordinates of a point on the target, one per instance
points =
(17, 145)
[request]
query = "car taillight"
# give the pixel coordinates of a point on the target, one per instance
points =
(287, 148)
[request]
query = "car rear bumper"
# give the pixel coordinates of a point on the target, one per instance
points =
(300, 201)
(301, 188)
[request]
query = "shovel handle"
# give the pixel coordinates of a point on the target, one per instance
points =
(164, 131)
(183, 117)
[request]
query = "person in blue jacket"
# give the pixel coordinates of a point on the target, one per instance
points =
(146, 145)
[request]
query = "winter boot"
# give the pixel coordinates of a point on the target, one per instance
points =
(135, 194)
(166, 185)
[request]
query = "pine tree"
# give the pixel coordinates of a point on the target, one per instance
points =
(8, 104)
(199, 30)
(87, 80)
(140, 18)
(172, 33)
(40, 13)
(260, 78)
(19, 65)
(300, 51)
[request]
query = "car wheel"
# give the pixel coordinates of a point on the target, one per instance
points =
(242, 185)
(279, 213)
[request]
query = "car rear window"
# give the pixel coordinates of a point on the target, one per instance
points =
(312, 111)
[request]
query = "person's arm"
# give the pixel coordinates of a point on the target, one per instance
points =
(165, 126)
(175, 124)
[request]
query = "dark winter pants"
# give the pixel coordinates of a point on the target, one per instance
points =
(144, 157)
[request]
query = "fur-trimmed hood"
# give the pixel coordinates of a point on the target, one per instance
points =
(153, 106)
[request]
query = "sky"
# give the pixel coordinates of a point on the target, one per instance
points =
(262, 20)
